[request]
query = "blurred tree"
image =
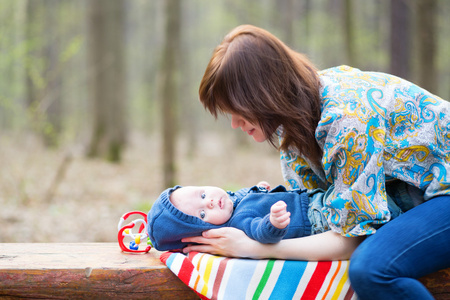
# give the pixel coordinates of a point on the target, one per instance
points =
(426, 25)
(52, 94)
(106, 57)
(307, 32)
(33, 81)
(189, 104)
(43, 77)
(400, 38)
(349, 32)
(13, 21)
(169, 87)
(285, 15)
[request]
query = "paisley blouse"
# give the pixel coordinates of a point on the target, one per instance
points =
(374, 127)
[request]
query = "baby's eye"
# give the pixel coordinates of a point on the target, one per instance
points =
(202, 214)
(203, 195)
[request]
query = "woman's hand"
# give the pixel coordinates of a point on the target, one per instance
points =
(232, 242)
(226, 241)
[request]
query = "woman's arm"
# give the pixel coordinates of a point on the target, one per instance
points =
(233, 242)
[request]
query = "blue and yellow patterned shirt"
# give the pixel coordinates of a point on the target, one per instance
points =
(373, 127)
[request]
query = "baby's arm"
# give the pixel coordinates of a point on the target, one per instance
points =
(279, 216)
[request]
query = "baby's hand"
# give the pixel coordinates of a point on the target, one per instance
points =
(279, 216)
(264, 184)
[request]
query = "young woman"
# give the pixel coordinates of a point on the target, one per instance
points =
(360, 133)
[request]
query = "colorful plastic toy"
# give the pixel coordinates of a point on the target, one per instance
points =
(134, 239)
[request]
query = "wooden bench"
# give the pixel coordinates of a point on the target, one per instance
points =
(101, 271)
(90, 271)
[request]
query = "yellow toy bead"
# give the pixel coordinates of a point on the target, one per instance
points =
(137, 240)
(127, 231)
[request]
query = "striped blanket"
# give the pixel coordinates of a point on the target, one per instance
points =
(216, 277)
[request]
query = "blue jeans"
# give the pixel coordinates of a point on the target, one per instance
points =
(416, 243)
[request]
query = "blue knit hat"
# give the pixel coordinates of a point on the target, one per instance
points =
(167, 225)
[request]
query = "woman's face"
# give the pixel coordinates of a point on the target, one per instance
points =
(253, 130)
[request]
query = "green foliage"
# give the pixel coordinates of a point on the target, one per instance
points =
(72, 49)
(144, 206)
(114, 152)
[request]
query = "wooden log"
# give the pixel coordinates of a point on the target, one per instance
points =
(85, 271)
(102, 271)
(438, 284)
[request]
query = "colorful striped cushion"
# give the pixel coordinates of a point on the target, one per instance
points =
(216, 277)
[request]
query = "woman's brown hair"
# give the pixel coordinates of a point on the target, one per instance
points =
(255, 75)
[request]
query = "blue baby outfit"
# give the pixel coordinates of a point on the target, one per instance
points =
(252, 208)
(167, 225)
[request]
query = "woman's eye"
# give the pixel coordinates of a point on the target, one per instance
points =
(202, 214)
(203, 195)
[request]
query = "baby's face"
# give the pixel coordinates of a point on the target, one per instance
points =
(211, 204)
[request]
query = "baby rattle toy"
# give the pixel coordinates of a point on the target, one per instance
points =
(134, 239)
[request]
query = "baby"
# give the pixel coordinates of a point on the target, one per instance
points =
(263, 214)
(218, 208)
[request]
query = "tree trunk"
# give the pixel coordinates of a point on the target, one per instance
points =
(426, 24)
(43, 76)
(349, 32)
(190, 113)
(51, 103)
(33, 79)
(12, 82)
(169, 87)
(307, 33)
(106, 60)
(285, 17)
(400, 38)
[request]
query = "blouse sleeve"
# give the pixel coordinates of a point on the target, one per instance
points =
(353, 162)
(298, 174)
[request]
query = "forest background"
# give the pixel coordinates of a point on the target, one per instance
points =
(99, 107)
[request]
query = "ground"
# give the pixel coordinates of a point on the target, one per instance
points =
(88, 201)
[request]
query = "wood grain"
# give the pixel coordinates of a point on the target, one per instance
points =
(102, 271)
(438, 284)
(80, 271)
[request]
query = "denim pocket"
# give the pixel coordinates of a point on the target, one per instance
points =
(318, 222)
